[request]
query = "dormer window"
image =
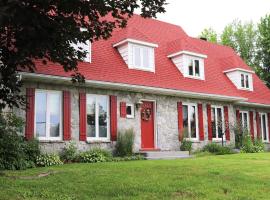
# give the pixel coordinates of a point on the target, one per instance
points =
(190, 64)
(138, 55)
(194, 67)
(241, 78)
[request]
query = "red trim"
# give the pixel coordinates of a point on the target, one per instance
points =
(268, 116)
(258, 125)
(123, 109)
(82, 97)
(30, 113)
(210, 134)
(180, 120)
(238, 118)
(66, 115)
(227, 124)
(113, 118)
(201, 127)
(251, 122)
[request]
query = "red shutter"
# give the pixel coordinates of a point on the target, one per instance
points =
(113, 118)
(201, 128)
(258, 124)
(66, 115)
(180, 120)
(227, 124)
(268, 116)
(238, 118)
(251, 124)
(123, 109)
(82, 116)
(210, 134)
(30, 113)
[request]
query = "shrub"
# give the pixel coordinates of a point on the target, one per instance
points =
(250, 147)
(46, 160)
(69, 153)
(15, 152)
(217, 149)
(92, 157)
(124, 144)
(186, 145)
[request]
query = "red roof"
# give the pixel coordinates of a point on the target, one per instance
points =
(108, 65)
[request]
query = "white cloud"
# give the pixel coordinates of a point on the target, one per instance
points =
(195, 15)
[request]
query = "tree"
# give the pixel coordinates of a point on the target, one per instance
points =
(38, 29)
(210, 34)
(242, 38)
(263, 56)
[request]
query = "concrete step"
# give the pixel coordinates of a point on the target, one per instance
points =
(155, 155)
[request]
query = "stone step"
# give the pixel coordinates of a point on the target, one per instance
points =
(151, 155)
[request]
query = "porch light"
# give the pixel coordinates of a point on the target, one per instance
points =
(138, 104)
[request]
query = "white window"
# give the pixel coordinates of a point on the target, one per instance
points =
(48, 115)
(143, 57)
(194, 67)
(83, 47)
(217, 122)
(130, 110)
(245, 81)
(244, 120)
(97, 117)
(190, 121)
(264, 127)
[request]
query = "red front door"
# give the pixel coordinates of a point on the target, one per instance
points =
(147, 125)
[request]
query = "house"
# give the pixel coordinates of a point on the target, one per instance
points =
(154, 78)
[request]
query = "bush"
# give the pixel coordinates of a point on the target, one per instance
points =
(186, 145)
(46, 160)
(69, 153)
(250, 147)
(217, 149)
(124, 144)
(95, 155)
(15, 152)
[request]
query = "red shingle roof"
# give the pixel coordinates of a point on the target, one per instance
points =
(108, 65)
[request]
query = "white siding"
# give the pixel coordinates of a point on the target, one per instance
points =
(123, 50)
(235, 77)
(179, 63)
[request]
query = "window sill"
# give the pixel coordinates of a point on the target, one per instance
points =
(89, 141)
(143, 69)
(51, 141)
(246, 89)
(195, 77)
(218, 140)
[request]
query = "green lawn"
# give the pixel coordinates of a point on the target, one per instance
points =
(241, 176)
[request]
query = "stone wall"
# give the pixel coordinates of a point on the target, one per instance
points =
(166, 136)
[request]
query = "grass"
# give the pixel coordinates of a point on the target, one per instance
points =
(234, 177)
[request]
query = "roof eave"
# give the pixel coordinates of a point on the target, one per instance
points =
(187, 53)
(135, 42)
(129, 87)
(239, 69)
(250, 104)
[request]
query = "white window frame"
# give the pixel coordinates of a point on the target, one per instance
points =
(47, 137)
(241, 112)
(223, 123)
(189, 105)
(131, 116)
(246, 78)
(261, 129)
(151, 59)
(97, 138)
(193, 68)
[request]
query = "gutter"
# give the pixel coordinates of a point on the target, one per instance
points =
(248, 104)
(129, 87)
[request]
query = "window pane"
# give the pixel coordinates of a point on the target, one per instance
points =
(245, 123)
(185, 120)
(190, 67)
(128, 110)
(193, 122)
(247, 82)
(91, 116)
(103, 112)
(54, 104)
(197, 68)
(146, 58)
(242, 80)
(219, 122)
(213, 122)
(137, 56)
(264, 127)
(41, 103)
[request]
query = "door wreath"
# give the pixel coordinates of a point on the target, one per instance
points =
(146, 114)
